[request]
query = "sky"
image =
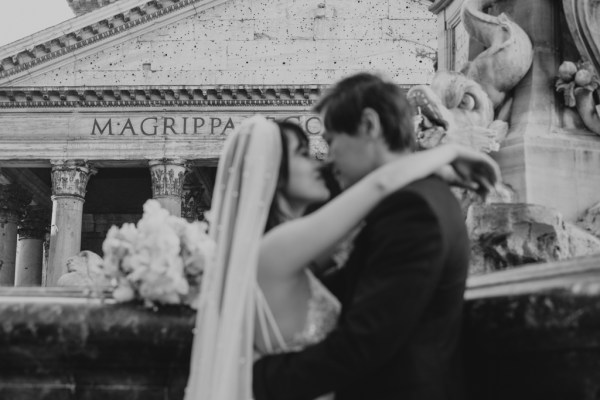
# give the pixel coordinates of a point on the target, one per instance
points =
(20, 18)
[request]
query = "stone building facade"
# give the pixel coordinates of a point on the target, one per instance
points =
(132, 99)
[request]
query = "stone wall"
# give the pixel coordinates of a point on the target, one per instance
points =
(530, 333)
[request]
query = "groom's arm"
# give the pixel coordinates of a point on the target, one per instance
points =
(402, 268)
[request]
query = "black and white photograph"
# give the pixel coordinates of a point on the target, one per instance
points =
(300, 200)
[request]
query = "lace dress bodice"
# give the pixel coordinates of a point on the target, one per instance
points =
(322, 316)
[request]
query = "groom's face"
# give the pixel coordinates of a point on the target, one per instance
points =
(352, 156)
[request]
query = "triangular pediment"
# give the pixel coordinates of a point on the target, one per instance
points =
(58, 50)
(224, 42)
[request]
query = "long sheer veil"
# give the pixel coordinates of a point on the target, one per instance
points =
(222, 351)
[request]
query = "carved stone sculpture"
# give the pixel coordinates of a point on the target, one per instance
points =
(471, 106)
(83, 270)
(590, 220)
(579, 83)
(508, 235)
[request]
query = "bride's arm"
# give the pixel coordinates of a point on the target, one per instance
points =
(288, 248)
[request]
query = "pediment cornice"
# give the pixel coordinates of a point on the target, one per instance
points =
(91, 29)
(159, 96)
(155, 96)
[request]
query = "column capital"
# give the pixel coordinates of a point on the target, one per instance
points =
(13, 200)
(35, 223)
(167, 176)
(70, 177)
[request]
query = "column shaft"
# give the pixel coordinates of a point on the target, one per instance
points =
(8, 249)
(30, 248)
(29, 262)
(69, 180)
(65, 235)
(13, 200)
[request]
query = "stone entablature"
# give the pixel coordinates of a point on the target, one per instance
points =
(192, 95)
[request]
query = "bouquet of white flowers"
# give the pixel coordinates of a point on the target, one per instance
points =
(159, 261)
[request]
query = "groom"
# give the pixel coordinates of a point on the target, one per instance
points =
(402, 288)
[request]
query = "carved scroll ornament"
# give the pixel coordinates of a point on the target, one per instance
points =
(470, 106)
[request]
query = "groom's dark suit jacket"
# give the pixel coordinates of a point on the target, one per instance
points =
(402, 297)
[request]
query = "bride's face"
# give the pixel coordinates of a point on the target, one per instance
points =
(305, 182)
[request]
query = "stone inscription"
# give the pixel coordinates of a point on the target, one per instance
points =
(188, 125)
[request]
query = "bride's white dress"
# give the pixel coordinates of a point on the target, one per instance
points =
(230, 301)
(322, 316)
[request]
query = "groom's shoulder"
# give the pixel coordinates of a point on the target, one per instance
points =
(421, 194)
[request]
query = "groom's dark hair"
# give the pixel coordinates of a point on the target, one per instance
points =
(344, 102)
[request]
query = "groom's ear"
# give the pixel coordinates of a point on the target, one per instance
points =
(370, 123)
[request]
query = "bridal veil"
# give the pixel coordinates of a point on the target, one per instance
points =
(222, 351)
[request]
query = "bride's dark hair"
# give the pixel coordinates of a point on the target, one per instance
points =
(276, 215)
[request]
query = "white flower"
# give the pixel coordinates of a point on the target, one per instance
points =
(159, 261)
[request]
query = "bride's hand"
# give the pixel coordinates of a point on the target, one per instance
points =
(471, 169)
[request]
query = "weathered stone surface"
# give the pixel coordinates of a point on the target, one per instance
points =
(263, 42)
(502, 193)
(540, 343)
(533, 332)
(590, 220)
(69, 346)
(536, 346)
(508, 235)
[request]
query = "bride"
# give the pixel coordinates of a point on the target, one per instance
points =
(258, 296)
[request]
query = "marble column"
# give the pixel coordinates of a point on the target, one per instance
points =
(69, 180)
(30, 247)
(13, 200)
(167, 183)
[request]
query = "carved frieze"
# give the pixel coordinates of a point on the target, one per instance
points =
(168, 176)
(35, 223)
(13, 200)
(70, 178)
